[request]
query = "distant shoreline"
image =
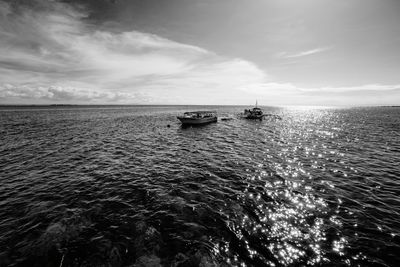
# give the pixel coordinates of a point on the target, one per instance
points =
(183, 105)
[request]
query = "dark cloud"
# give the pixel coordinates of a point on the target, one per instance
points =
(19, 6)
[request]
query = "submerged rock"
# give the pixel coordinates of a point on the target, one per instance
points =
(199, 258)
(148, 261)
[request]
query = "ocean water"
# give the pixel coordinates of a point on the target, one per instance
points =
(128, 186)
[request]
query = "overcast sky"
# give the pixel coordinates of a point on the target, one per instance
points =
(280, 52)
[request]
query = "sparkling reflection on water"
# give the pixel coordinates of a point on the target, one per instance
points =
(114, 186)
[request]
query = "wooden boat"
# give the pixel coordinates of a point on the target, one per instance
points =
(253, 114)
(198, 117)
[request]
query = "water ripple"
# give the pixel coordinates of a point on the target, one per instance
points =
(114, 186)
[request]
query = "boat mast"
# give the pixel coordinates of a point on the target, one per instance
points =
(256, 102)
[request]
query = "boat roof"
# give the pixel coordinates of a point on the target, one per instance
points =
(200, 112)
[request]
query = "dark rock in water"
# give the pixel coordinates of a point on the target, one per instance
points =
(205, 259)
(179, 260)
(54, 233)
(198, 258)
(148, 261)
(141, 227)
(147, 240)
(152, 239)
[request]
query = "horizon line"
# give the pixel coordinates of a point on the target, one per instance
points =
(72, 105)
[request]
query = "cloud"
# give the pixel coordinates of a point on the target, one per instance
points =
(211, 82)
(360, 88)
(272, 87)
(55, 54)
(288, 93)
(57, 93)
(304, 53)
(51, 51)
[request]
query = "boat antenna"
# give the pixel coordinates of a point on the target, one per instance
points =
(256, 102)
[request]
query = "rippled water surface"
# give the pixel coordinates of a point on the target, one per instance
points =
(128, 186)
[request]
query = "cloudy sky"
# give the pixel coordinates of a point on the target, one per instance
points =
(280, 52)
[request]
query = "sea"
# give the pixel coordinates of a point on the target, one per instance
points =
(129, 186)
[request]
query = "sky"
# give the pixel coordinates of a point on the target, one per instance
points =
(205, 52)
